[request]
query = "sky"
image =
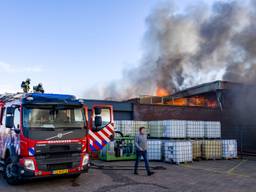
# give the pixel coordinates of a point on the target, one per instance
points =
(71, 45)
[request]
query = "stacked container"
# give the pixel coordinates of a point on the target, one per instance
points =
(195, 129)
(154, 150)
(156, 128)
(212, 129)
(229, 149)
(118, 126)
(212, 149)
(178, 151)
(174, 129)
(197, 149)
(130, 128)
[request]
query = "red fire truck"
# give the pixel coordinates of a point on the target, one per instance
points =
(50, 135)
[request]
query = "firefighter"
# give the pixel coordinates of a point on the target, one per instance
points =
(25, 85)
(141, 151)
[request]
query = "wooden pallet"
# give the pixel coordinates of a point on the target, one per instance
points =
(179, 163)
(183, 163)
(212, 159)
(197, 159)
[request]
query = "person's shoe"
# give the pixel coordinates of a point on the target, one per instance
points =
(135, 173)
(150, 173)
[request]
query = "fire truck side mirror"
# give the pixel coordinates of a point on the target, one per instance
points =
(17, 130)
(97, 121)
(9, 122)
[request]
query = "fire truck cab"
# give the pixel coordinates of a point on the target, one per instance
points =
(50, 135)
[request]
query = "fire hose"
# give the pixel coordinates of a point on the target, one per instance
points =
(123, 167)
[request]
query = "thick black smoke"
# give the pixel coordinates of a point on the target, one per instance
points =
(187, 48)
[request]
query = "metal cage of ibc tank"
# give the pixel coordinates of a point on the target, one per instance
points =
(177, 151)
(154, 150)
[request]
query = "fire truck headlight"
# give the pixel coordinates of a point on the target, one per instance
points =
(85, 160)
(29, 164)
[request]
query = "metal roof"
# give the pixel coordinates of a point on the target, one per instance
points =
(117, 105)
(203, 89)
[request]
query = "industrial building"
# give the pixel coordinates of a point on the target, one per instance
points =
(230, 103)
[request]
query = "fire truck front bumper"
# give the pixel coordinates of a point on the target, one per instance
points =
(29, 174)
(30, 167)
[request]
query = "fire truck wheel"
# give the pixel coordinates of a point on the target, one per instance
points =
(10, 172)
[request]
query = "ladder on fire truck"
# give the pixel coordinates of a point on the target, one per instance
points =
(10, 96)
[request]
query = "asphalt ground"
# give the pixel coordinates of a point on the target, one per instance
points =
(201, 176)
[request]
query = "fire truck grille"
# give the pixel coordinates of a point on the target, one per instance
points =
(64, 161)
(56, 157)
(58, 148)
(59, 166)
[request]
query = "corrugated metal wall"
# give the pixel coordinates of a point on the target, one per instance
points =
(239, 118)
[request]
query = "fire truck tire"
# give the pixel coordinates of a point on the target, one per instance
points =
(10, 178)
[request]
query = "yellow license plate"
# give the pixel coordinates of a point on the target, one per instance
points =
(59, 172)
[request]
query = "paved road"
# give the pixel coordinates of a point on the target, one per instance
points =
(210, 176)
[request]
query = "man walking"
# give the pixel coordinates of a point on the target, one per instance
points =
(141, 150)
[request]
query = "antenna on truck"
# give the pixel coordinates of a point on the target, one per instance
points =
(10, 96)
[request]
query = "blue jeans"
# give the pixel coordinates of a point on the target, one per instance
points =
(145, 158)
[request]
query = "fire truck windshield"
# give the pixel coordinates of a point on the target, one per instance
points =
(53, 117)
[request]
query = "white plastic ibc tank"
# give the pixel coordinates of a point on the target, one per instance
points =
(174, 129)
(128, 128)
(118, 125)
(154, 150)
(229, 148)
(156, 128)
(212, 129)
(195, 129)
(178, 151)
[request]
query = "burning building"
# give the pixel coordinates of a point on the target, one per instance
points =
(233, 104)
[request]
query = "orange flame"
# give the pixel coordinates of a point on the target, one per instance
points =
(196, 101)
(161, 92)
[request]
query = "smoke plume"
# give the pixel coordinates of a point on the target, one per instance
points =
(198, 45)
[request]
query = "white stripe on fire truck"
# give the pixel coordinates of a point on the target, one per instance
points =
(104, 136)
(107, 131)
(111, 126)
(95, 137)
